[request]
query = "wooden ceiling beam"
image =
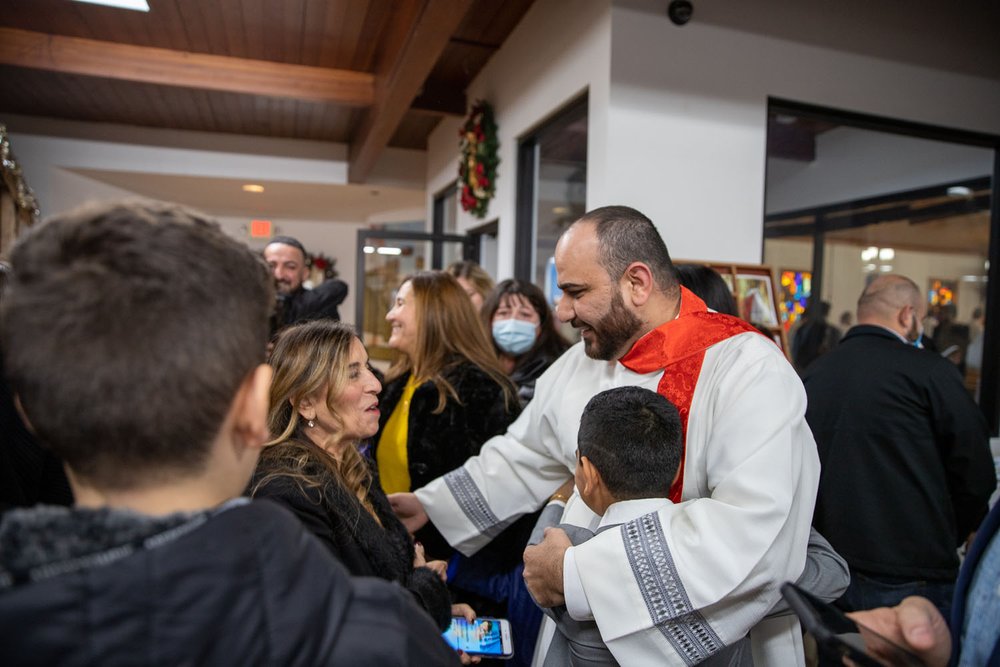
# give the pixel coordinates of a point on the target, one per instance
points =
(398, 82)
(145, 64)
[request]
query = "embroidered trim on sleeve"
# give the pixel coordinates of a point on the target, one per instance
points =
(473, 503)
(666, 600)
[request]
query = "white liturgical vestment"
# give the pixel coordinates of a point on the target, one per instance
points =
(678, 585)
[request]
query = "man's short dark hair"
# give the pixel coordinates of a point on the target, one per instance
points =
(624, 236)
(289, 240)
(127, 330)
(632, 436)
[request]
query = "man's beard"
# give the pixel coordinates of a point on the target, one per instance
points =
(611, 333)
(283, 287)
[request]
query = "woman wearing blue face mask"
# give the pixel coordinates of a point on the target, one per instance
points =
(524, 333)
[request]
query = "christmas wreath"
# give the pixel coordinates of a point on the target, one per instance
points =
(478, 167)
(322, 263)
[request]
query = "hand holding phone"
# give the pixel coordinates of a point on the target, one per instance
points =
(840, 637)
(487, 637)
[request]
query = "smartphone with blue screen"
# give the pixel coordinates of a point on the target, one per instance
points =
(488, 637)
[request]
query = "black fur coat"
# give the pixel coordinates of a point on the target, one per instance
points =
(439, 443)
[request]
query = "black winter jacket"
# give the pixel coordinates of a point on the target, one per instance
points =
(241, 585)
(906, 467)
(352, 535)
(439, 443)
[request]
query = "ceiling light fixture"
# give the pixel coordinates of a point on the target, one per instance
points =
(137, 5)
(959, 191)
(253, 187)
(389, 250)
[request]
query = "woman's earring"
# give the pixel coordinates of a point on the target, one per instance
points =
(310, 423)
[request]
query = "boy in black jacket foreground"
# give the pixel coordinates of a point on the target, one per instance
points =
(134, 336)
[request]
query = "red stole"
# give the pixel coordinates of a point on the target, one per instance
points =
(678, 347)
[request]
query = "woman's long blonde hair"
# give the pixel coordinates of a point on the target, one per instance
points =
(306, 359)
(448, 333)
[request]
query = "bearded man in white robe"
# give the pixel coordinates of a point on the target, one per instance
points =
(681, 584)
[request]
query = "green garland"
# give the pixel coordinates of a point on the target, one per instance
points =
(477, 170)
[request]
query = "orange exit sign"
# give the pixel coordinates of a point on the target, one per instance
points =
(260, 229)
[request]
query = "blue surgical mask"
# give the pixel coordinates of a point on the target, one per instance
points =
(514, 336)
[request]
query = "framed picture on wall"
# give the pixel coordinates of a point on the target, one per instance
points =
(755, 298)
(753, 289)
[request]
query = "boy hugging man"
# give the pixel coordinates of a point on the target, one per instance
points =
(628, 455)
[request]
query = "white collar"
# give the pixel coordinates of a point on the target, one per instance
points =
(626, 510)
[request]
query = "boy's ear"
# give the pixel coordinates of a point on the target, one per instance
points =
(591, 477)
(251, 406)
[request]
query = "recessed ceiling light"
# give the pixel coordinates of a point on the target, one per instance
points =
(137, 5)
(959, 191)
(253, 187)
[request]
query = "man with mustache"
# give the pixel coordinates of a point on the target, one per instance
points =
(689, 581)
(286, 258)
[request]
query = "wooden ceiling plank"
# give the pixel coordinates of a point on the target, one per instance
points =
(312, 36)
(330, 46)
(401, 82)
(190, 70)
(376, 19)
(357, 30)
(229, 23)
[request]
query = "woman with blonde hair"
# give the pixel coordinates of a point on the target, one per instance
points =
(323, 404)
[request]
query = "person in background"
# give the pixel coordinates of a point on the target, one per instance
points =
(906, 471)
(815, 337)
(473, 279)
(444, 395)
(709, 286)
(286, 258)
(323, 403)
(153, 390)
(524, 332)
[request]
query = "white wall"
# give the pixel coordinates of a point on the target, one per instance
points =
(560, 49)
(853, 164)
(688, 119)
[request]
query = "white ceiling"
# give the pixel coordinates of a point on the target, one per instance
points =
(293, 201)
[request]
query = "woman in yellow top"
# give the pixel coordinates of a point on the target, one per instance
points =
(445, 395)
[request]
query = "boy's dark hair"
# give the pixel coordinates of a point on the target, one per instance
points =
(632, 436)
(127, 330)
